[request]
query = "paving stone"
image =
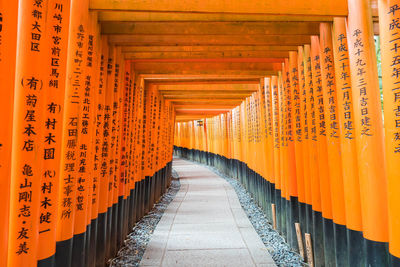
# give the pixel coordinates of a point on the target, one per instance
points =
(205, 225)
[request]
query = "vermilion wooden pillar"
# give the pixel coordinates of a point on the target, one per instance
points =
(356, 253)
(389, 14)
(323, 168)
(27, 143)
(333, 142)
(298, 145)
(8, 44)
(56, 63)
(369, 132)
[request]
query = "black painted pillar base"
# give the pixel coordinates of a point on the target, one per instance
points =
(377, 253)
(329, 247)
(340, 234)
(92, 249)
(101, 256)
(356, 248)
(394, 261)
(318, 238)
(278, 209)
(78, 250)
(293, 215)
(64, 253)
(48, 262)
(109, 231)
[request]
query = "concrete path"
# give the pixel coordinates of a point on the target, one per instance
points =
(204, 226)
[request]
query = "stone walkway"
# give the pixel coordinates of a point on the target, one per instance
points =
(204, 226)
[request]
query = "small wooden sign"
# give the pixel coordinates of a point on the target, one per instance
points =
(299, 240)
(273, 216)
(310, 256)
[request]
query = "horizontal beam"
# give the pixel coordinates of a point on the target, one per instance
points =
(206, 55)
(208, 88)
(192, 118)
(151, 74)
(206, 17)
(205, 66)
(205, 105)
(175, 40)
(208, 60)
(208, 99)
(202, 81)
(201, 112)
(198, 110)
(171, 93)
(184, 97)
(195, 76)
(210, 28)
(209, 48)
(293, 7)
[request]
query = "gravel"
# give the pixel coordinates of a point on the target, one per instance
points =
(280, 251)
(136, 242)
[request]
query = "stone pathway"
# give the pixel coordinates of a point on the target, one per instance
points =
(205, 226)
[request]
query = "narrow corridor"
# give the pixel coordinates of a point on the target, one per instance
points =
(205, 225)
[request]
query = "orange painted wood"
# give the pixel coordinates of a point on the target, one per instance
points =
(296, 124)
(324, 177)
(346, 126)
(56, 64)
(27, 142)
(368, 122)
(332, 123)
(8, 44)
(389, 14)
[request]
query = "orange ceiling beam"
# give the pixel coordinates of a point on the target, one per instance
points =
(211, 28)
(293, 7)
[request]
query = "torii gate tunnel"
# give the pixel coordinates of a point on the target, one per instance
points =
(97, 95)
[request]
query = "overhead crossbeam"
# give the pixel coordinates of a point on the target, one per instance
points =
(210, 28)
(294, 7)
(190, 40)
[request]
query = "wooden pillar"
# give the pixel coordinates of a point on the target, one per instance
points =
(333, 143)
(389, 13)
(302, 122)
(292, 212)
(276, 143)
(356, 254)
(27, 143)
(296, 134)
(369, 132)
(326, 203)
(314, 159)
(56, 53)
(8, 44)
(97, 141)
(281, 206)
(270, 141)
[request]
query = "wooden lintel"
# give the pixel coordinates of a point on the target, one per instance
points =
(190, 40)
(153, 16)
(214, 76)
(205, 66)
(211, 28)
(184, 97)
(211, 87)
(201, 80)
(294, 7)
(172, 93)
(150, 74)
(208, 48)
(205, 55)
